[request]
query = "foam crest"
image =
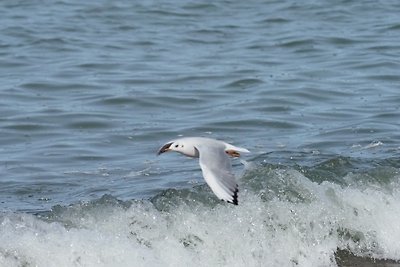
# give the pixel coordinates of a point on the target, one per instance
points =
(284, 219)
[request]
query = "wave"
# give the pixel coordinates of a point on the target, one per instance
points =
(287, 216)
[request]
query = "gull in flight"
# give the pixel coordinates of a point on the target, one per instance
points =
(214, 162)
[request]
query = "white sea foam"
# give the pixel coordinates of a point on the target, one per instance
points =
(274, 230)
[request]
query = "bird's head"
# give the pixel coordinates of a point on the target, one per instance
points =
(179, 146)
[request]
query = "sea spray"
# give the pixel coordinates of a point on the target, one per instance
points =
(285, 218)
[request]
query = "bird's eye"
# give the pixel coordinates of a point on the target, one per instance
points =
(176, 145)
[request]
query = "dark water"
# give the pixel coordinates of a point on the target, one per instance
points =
(89, 91)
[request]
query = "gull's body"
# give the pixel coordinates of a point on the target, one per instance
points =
(214, 162)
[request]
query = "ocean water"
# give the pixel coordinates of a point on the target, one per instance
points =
(90, 91)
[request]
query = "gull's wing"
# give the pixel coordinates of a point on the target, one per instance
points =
(236, 148)
(217, 171)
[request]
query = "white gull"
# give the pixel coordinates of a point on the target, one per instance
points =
(214, 162)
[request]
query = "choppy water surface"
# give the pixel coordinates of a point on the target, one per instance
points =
(89, 91)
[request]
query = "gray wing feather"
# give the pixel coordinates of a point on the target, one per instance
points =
(217, 171)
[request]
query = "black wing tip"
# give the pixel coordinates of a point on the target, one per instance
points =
(235, 200)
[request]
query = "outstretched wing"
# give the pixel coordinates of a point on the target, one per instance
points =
(217, 171)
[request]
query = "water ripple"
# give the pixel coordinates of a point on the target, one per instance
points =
(93, 88)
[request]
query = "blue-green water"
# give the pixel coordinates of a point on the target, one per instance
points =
(90, 91)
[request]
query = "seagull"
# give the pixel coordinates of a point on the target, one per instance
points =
(214, 163)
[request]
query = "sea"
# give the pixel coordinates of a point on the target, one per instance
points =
(90, 90)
